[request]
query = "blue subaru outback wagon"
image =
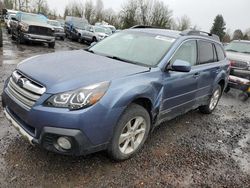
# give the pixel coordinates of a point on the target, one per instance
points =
(111, 95)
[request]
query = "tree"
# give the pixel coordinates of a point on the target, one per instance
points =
(245, 37)
(218, 27)
(183, 23)
(161, 15)
(99, 11)
(89, 11)
(226, 38)
(238, 35)
(128, 14)
(8, 4)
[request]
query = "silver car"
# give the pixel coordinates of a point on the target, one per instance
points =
(238, 52)
(58, 29)
(94, 33)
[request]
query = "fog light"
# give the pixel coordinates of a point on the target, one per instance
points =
(64, 143)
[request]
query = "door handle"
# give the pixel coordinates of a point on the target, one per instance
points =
(196, 75)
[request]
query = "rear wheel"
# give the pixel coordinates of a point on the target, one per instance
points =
(130, 134)
(213, 101)
(94, 39)
(52, 45)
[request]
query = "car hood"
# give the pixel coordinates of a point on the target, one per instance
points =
(64, 71)
(238, 56)
(37, 24)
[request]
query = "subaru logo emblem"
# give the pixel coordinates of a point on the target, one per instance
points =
(20, 82)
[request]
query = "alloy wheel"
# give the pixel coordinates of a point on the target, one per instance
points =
(132, 135)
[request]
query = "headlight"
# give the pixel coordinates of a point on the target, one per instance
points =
(80, 98)
(24, 27)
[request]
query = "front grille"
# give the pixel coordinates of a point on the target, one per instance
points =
(38, 30)
(23, 90)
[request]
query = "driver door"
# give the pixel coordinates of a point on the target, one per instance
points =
(179, 94)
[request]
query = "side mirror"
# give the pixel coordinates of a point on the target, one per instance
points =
(181, 66)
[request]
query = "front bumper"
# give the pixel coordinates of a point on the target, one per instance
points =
(59, 34)
(43, 125)
(48, 138)
(38, 38)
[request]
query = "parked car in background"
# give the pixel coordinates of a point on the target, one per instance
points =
(74, 26)
(94, 33)
(8, 23)
(110, 96)
(238, 52)
(106, 25)
(7, 13)
(32, 28)
(58, 29)
(62, 22)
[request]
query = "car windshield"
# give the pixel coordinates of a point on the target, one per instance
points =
(54, 23)
(34, 18)
(100, 30)
(134, 47)
(108, 31)
(241, 47)
(80, 25)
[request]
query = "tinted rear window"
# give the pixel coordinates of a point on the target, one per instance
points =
(220, 52)
(206, 54)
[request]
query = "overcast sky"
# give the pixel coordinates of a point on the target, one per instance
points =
(201, 12)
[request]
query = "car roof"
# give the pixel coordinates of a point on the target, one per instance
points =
(177, 34)
(242, 41)
(163, 32)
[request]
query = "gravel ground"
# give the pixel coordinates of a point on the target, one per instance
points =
(193, 150)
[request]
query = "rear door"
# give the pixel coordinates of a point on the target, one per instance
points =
(208, 68)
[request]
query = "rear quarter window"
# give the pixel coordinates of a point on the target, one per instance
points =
(220, 52)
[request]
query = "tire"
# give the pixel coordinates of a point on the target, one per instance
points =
(62, 38)
(213, 101)
(20, 39)
(52, 45)
(243, 96)
(94, 39)
(227, 89)
(121, 147)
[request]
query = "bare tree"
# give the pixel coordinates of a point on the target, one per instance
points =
(110, 16)
(99, 11)
(89, 11)
(183, 23)
(238, 35)
(161, 15)
(144, 11)
(128, 14)
(74, 9)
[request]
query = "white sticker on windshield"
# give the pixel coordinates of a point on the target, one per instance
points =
(168, 39)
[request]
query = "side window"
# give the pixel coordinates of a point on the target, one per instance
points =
(187, 52)
(206, 52)
(220, 52)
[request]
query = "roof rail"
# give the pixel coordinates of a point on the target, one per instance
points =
(201, 33)
(141, 27)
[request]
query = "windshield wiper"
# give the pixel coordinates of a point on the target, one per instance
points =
(88, 50)
(246, 52)
(231, 50)
(123, 60)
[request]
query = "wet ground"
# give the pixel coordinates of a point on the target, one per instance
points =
(193, 150)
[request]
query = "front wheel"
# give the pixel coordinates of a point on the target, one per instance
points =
(213, 101)
(130, 134)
